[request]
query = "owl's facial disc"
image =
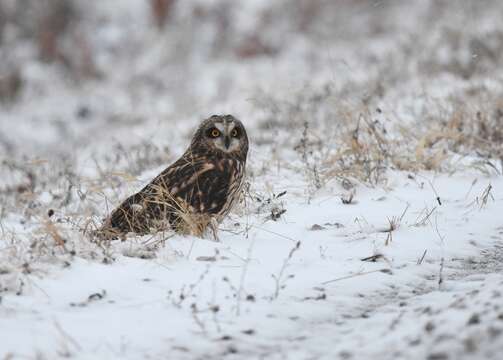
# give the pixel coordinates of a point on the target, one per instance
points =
(228, 139)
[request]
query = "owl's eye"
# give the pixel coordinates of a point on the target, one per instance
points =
(234, 133)
(214, 133)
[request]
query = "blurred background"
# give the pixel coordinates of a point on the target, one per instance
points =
(337, 96)
(128, 72)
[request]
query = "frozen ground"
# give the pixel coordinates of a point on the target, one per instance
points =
(246, 297)
(372, 223)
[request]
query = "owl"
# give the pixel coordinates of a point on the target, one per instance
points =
(193, 194)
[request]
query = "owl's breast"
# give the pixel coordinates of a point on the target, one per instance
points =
(214, 191)
(235, 186)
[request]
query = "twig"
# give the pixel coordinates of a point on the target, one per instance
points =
(420, 261)
(279, 277)
(198, 321)
(434, 190)
(485, 196)
(385, 271)
(438, 231)
(441, 273)
(373, 258)
(191, 247)
(471, 188)
(422, 221)
(184, 295)
(404, 212)
(274, 233)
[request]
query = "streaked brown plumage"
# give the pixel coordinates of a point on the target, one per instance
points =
(197, 190)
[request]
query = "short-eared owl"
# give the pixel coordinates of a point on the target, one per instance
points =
(197, 190)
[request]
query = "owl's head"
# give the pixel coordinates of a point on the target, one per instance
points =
(222, 133)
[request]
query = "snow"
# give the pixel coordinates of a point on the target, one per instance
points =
(141, 313)
(313, 264)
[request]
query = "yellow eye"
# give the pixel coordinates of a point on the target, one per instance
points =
(215, 133)
(234, 133)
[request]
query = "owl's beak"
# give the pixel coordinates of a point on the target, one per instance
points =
(227, 142)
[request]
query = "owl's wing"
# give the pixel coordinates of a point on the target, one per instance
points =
(199, 184)
(208, 189)
(171, 191)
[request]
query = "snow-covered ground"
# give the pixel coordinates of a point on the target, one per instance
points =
(371, 226)
(255, 295)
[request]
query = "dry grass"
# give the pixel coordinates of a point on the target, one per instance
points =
(356, 142)
(467, 125)
(363, 152)
(53, 231)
